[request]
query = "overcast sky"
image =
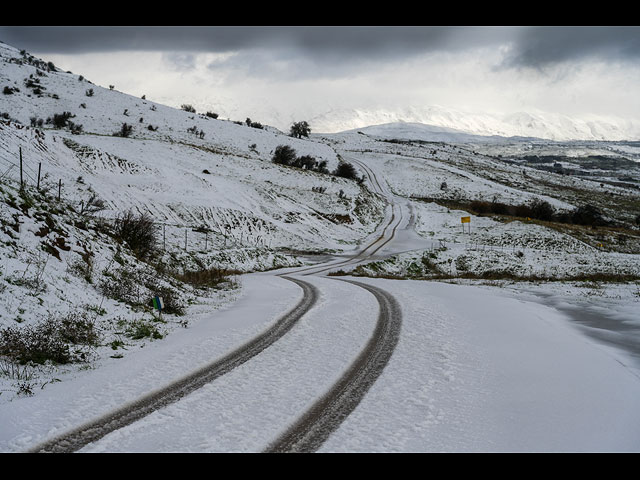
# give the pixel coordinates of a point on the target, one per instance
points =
(298, 72)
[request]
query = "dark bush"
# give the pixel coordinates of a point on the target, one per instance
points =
(480, 207)
(211, 115)
(138, 231)
(284, 155)
(346, 170)
(306, 161)
(588, 215)
(50, 340)
(124, 131)
(36, 122)
(541, 209)
(7, 91)
(321, 167)
(60, 120)
(75, 128)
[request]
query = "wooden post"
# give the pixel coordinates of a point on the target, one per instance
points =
(164, 237)
(39, 168)
(185, 239)
(59, 188)
(21, 180)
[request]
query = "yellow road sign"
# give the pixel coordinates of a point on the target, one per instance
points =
(465, 219)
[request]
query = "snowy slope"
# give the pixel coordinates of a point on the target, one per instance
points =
(165, 169)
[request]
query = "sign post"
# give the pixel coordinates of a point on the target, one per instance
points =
(158, 304)
(466, 220)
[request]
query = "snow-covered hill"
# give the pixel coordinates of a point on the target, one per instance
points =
(181, 167)
(551, 126)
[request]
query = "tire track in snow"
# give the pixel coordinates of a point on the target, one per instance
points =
(377, 244)
(96, 429)
(311, 430)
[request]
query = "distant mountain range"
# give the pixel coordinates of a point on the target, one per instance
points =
(549, 126)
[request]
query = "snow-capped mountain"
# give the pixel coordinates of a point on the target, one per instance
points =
(551, 126)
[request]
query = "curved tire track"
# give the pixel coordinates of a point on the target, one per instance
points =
(309, 432)
(96, 429)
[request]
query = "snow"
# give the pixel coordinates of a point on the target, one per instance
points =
(494, 366)
(478, 371)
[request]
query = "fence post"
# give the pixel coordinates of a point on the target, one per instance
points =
(21, 180)
(39, 167)
(59, 188)
(164, 237)
(185, 239)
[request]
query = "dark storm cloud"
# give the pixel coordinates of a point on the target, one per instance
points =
(540, 46)
(530, 46)
(329, 41)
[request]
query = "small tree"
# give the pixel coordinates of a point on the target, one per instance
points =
(300, 129)
(284, 155)
(89, 93)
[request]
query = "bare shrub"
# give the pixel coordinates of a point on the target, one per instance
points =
(55, 339)
(138, 232)
(206, 277)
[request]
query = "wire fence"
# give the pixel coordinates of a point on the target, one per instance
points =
(235, 233)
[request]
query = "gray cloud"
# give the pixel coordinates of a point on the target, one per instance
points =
(180, 61)
(540, 46)
(334, 48)
(323, 41)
